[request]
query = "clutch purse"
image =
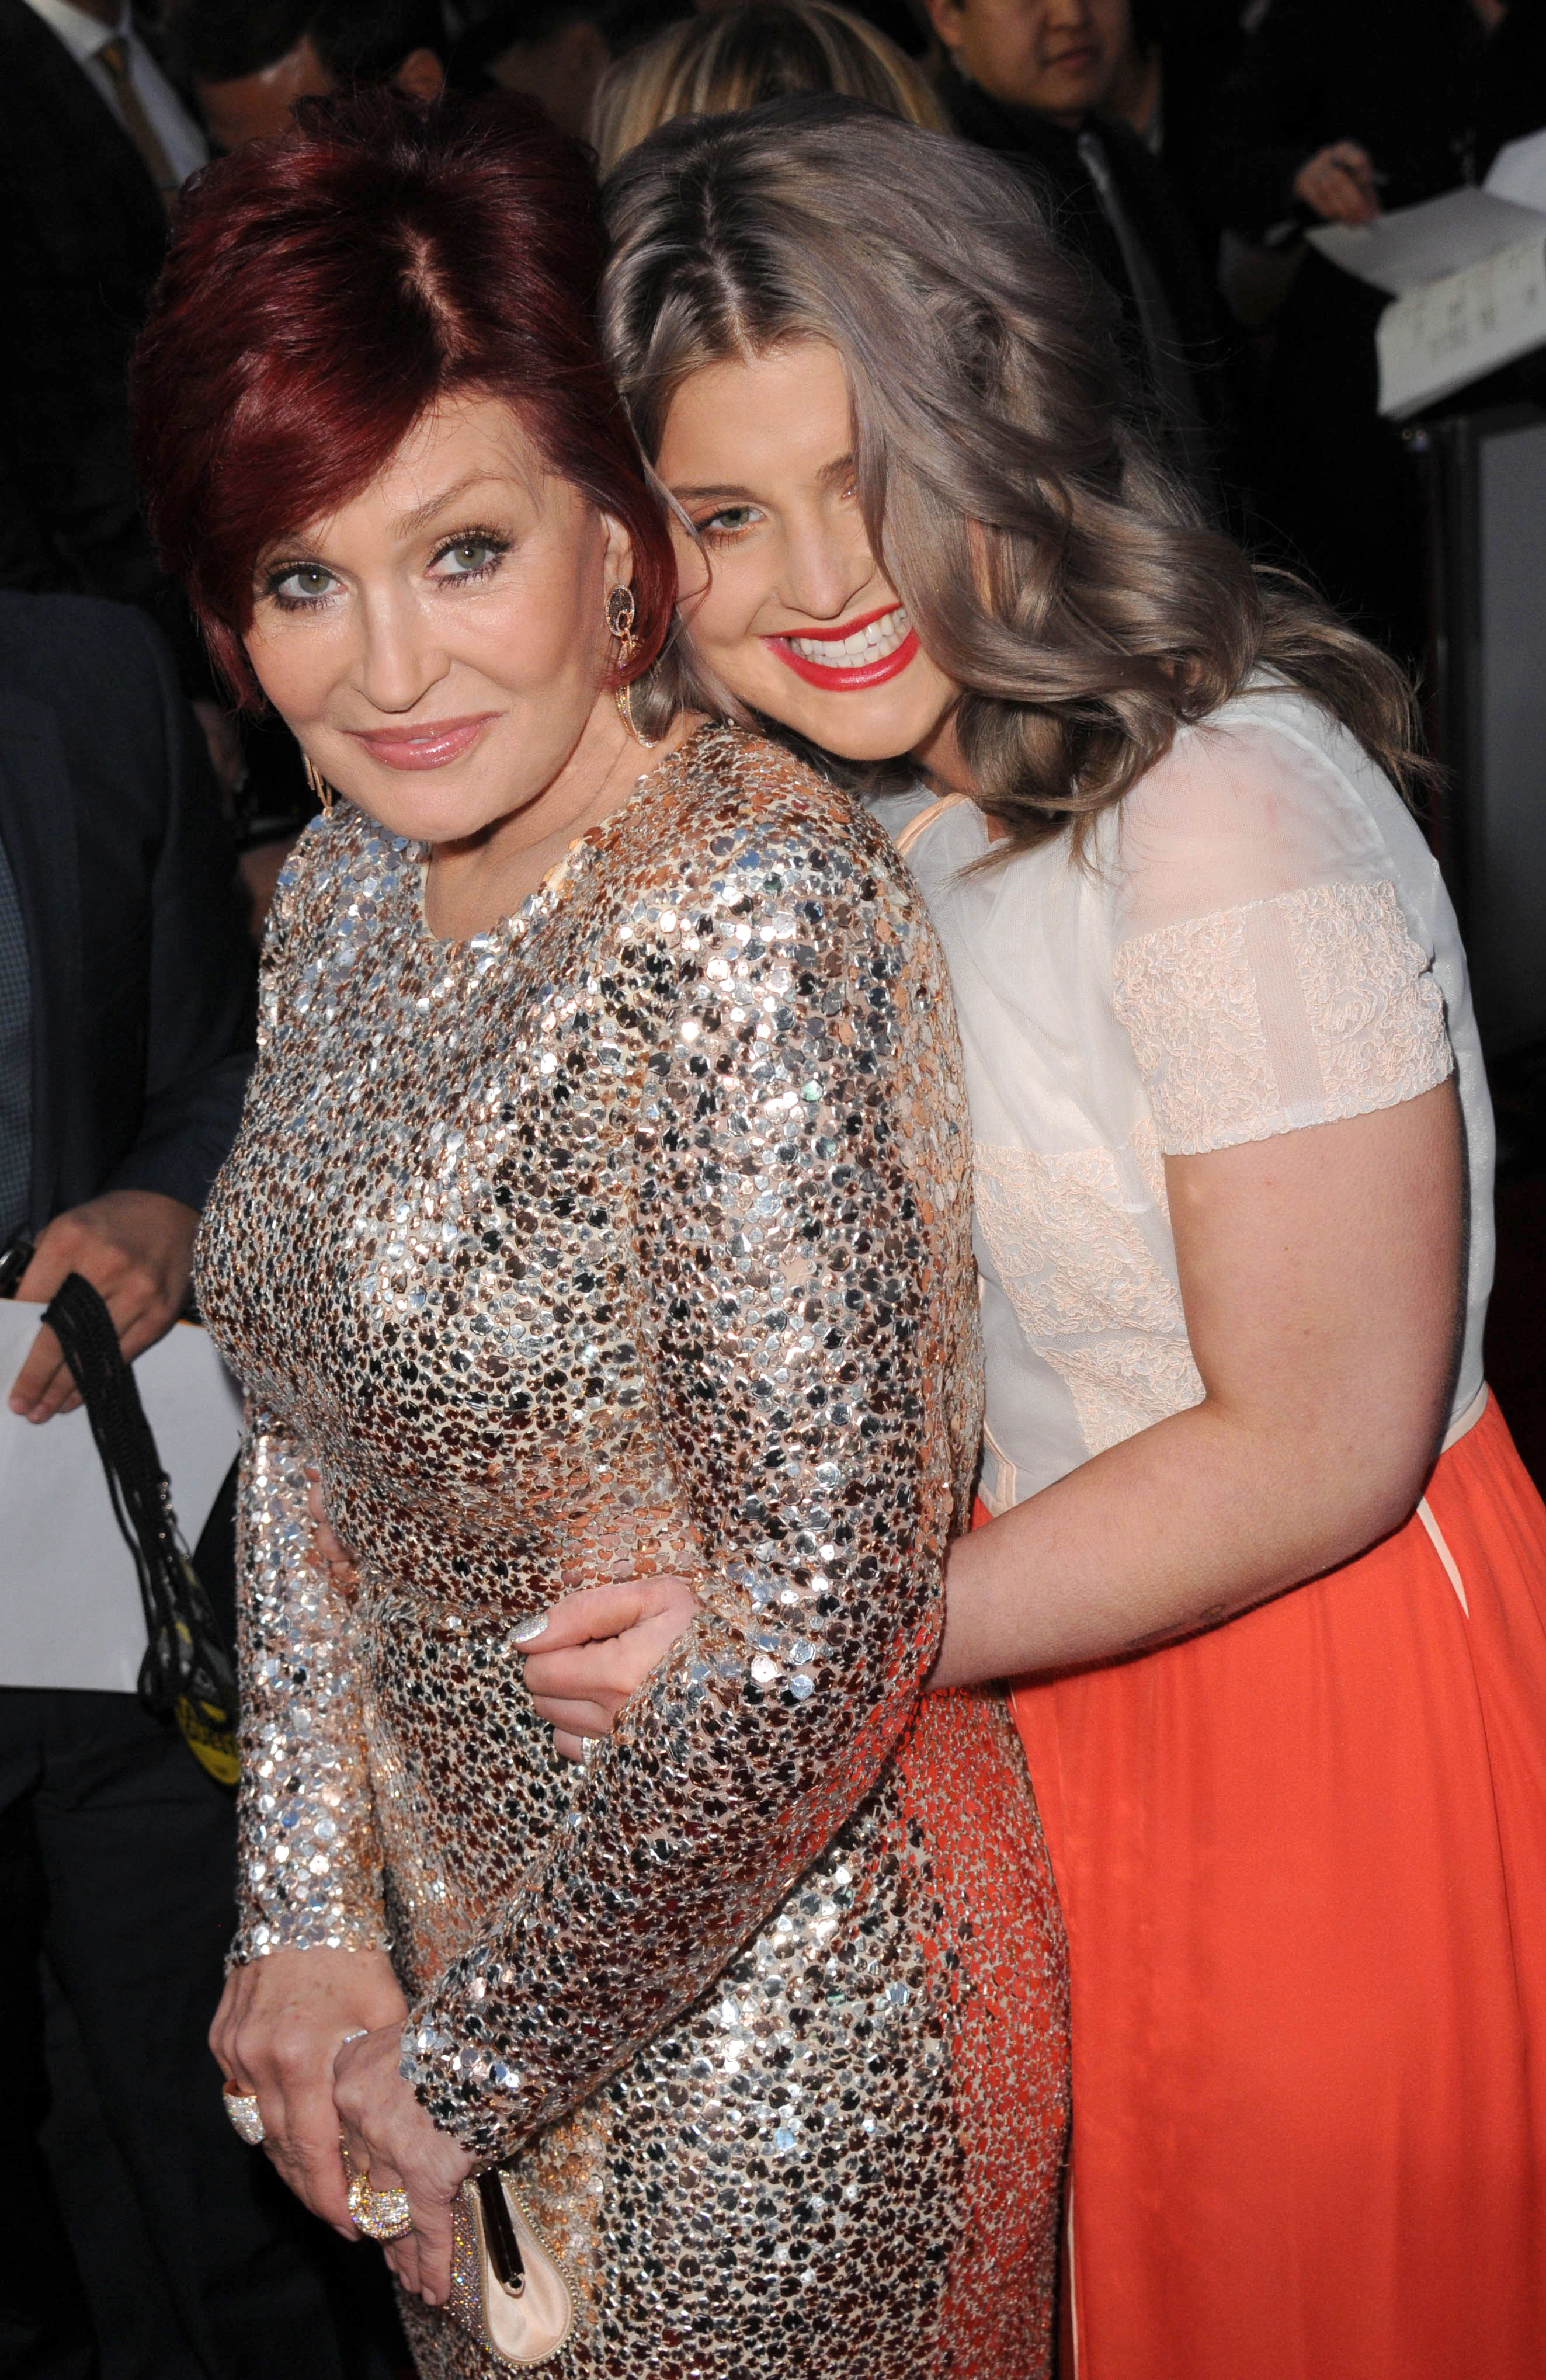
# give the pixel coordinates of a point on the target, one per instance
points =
(507, 2288)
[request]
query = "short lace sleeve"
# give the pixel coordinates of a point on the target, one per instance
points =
(1266, 967)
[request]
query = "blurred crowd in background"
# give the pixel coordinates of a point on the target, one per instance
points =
(1184, 146)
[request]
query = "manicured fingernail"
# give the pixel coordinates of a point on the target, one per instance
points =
(530, 1630)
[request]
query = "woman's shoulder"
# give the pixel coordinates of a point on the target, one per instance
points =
(334, 855)
(343, 865)
(1269, 794)
(741, 818)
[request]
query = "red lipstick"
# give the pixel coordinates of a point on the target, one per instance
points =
(852, 675)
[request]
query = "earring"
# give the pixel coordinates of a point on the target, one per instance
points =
(621, 613)
(318, 785)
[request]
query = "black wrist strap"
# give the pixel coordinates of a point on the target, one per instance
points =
(186, 1675)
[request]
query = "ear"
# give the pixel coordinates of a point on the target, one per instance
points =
(421, 75)
(618, 560)
(946, 16)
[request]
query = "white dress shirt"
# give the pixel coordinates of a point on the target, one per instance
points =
(84, 36)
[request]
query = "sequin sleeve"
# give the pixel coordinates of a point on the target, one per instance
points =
(805, 1312)
(310, 1865)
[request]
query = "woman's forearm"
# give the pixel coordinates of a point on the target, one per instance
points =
(1184, 1525)
(1321, 1275)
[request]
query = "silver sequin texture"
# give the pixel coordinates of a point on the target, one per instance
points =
(633, 1234)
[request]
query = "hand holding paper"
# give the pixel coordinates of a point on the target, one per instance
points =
(136, 1249)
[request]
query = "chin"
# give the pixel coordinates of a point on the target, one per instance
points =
(856, 726)
(423, 812)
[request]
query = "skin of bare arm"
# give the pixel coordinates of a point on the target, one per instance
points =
(1321, 1278)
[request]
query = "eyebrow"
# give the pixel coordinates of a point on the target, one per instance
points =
(837, 470)
(700, 495)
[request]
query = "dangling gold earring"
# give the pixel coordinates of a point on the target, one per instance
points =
(318, 785)
(620, 615)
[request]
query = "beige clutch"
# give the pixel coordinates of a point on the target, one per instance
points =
(507, 2286)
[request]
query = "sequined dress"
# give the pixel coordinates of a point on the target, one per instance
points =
(633, 1234)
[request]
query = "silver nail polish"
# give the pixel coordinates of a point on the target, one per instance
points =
(530, 1630)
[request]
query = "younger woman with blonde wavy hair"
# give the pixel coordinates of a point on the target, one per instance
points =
(1255, 1537)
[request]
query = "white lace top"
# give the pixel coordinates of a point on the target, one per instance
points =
(1259, 940)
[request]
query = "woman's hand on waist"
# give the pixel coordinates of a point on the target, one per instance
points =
(277, 2033)
(597, 1647)
(389, 2138)
(341, 1561)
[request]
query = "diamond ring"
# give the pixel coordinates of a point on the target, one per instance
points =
(379, 2213)
(242, 2109)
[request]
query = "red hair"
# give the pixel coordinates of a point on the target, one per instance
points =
(322, 291)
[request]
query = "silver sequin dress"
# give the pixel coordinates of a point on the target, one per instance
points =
(634, 1234)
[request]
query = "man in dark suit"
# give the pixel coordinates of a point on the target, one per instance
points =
(125, 1045)
(95, 144)
(1032, 79)
(251, 60)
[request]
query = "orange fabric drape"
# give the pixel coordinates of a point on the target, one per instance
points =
(1302, 1861)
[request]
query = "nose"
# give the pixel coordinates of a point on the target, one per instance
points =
(1068, 16)
(825, 570)
(401, 653)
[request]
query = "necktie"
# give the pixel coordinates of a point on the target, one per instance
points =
(1173, 381)
(114, 55)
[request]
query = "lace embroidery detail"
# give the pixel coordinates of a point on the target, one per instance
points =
(1065, 1243)
(1086, 1286)
(1299, 1010)
(1121, 1385)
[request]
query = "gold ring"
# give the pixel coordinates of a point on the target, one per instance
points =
(381, 2214)
(242, 2109)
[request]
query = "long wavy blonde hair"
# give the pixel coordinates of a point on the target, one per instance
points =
(1053, 566)
(739, 57)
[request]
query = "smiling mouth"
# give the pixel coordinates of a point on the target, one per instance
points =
(857, 654)
(432, 746)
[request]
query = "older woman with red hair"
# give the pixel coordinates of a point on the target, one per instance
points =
(601, 1206)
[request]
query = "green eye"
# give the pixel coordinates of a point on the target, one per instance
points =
(468, 557)
(729, 521)
(301, 582)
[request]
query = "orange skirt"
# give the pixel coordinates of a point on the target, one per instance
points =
(1302, 1861)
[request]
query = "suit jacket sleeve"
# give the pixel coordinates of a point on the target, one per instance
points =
(198, 1041)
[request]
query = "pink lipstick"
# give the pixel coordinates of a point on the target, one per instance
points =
(431, 745)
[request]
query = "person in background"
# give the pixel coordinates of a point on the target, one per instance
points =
(736, 58)
(557, 51)
(1166, 85)
(97, 144)
(249, 64)
(1337, 114)
(1035, 80)
(1333, 114)
(126, 1030)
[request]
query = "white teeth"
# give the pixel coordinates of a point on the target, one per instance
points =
(867, 644)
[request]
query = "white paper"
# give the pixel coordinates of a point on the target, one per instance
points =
(1401, 252)
(70, 1613)
(1518, 171)
(1453, 330)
